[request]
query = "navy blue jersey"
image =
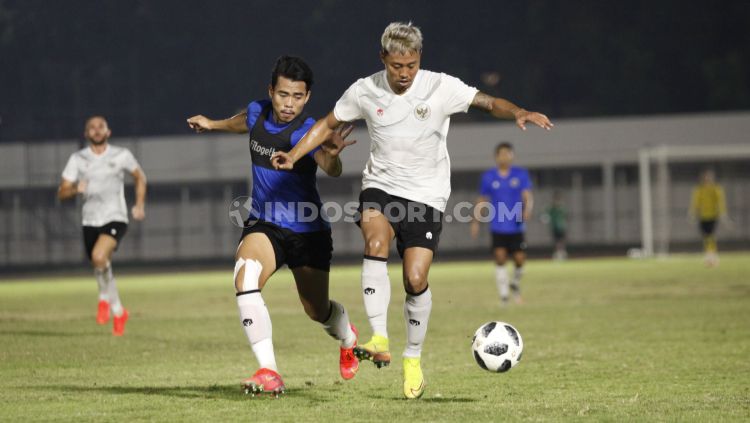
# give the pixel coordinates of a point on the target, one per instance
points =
(505, 195)
(288, 199)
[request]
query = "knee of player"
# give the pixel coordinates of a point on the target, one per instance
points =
(416, 281)
(376, 246)
(99, 260)
(247, 275)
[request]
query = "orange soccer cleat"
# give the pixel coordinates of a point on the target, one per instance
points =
(102, 313)
(118, 323)
(264, 381)
(348, 362)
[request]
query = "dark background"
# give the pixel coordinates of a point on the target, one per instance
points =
(147, 65)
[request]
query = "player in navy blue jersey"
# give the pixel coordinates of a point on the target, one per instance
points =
(505, 191)
(274, 234)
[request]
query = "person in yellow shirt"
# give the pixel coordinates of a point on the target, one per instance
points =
(707, 206)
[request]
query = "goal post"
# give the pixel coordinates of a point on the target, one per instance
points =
(655, 173)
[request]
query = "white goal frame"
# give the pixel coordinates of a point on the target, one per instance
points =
(656, 209)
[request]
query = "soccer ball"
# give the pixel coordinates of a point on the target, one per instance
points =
(497, 346)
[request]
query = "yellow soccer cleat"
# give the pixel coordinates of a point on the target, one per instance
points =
(376, 350)
(413, 378)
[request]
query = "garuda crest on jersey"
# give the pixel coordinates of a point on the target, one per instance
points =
(422, 111)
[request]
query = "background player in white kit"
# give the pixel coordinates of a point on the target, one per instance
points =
(96, 173)
(407, 111)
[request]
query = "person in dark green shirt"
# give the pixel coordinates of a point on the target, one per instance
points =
(556, 217)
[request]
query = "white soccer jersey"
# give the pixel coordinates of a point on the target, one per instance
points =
(104, 199)
(408, 154)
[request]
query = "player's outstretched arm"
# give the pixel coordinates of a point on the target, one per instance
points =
(321, 131)
(504, 109)
(327, 157)
(236, 124)
(69, 189)
(139, 208)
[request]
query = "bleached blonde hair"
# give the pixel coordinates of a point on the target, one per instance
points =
(402, 38)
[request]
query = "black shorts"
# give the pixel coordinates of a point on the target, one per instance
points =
(511, 242)
(558, 235)
(415, 224)
(295, 249)
(91, 233)
(707, 227)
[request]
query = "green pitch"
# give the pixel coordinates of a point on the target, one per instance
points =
(613, 340)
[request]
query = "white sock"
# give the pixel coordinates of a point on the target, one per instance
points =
(114, 299)
(113, 295)
(338, 326)
(257, 325)
(501, 280)
(515, 286)
(416, 314)
(101, 282)
(376, 290)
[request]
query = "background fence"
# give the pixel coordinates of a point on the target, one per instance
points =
(193, 179)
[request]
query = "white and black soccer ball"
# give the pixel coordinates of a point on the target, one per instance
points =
(497, 346)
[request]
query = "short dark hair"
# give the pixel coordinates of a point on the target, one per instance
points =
(501, 145)
(293, 68)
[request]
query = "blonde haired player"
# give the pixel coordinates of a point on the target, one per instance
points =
(407, 111)
(96, 173)
(708, 206)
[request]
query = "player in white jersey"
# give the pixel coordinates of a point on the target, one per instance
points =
(96, 173)
(406, 182)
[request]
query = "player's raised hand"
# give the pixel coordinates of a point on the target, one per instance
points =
(282, 161)
(138, 212)
(539, 119)
(338, 141)
(199, 123)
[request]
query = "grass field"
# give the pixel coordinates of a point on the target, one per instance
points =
(605, 339)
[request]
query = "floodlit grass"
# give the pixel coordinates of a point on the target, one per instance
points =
(608, 339)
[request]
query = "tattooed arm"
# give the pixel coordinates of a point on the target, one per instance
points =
(504, 109)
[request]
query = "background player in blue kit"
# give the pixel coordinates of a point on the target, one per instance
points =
(273, 234)
(506, 191)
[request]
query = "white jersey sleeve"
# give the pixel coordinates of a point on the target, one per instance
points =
(459, 96)
(71, 173)
(348, 109)
(129, 162)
